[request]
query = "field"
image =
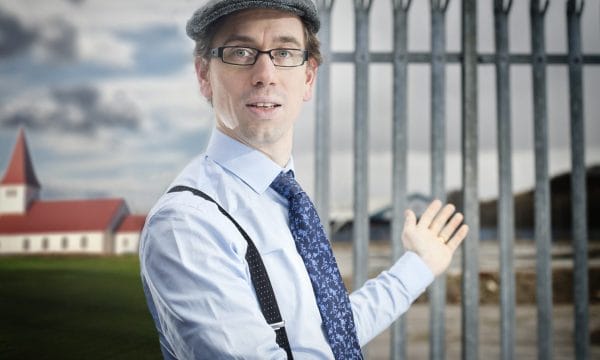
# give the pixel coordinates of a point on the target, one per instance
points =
(62, 307)
(74, 308)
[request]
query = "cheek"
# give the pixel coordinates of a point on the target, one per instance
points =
(299, 99)
(226, 86)
(224, 103)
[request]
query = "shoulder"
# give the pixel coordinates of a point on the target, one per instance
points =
(190, 219)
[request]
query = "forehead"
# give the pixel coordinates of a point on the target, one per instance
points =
(259, 26)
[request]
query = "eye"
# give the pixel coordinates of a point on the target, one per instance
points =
(282, 53)
(241, 52)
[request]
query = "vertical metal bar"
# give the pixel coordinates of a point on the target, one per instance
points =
(361, 143)
(542, 188)
(578, 183)
(506, 232)
(470, 274)
(400, 156)
(323, 124)
(437, 292)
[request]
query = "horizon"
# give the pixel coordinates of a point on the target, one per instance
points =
(111, 106)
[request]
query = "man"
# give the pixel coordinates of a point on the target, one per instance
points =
(256, 64)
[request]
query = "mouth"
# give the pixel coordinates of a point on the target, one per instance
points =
(263, 105)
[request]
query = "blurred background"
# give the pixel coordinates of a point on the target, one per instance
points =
(107, 94)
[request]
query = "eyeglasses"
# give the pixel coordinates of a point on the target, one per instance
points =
(245, 56)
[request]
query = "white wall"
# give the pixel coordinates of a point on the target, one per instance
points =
(15, 244)
(117, 219)
(11, 199)
(127, 242)
(14, 199)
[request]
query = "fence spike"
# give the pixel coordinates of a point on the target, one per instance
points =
(545, 8)
(445, 6)
(575, 7)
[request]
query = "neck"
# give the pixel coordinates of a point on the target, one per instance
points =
(279, 151)
(283, 161)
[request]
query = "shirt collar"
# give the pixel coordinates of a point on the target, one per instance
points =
(250, 165)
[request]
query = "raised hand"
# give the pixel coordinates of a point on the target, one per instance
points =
(434, 237)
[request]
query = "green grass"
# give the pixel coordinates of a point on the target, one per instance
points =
(74, 308)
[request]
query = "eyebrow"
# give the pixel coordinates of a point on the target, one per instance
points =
(283, 39)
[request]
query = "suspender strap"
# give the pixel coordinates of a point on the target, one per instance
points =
(258, 274)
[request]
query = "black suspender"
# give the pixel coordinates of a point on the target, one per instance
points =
(258, 275)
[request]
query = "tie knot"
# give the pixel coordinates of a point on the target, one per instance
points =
(286, 185)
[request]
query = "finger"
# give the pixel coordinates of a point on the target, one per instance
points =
(410, 220)
(442, 218)
(458, 237)
(429, 213)
(451, 226)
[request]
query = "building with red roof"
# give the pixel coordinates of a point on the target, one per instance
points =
(127, 236)
(29, 225)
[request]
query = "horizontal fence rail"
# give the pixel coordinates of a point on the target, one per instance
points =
(469, 60)
(454, 57)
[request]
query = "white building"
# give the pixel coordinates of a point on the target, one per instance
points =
(29, 225)
(127, 236)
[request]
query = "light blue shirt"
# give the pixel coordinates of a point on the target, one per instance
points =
(196, 278)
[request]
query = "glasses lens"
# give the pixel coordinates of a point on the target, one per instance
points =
(287, 57)
(239, 55)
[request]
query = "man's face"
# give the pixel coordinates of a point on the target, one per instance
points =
(258, 104)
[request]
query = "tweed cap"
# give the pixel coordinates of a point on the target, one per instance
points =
(216, 9)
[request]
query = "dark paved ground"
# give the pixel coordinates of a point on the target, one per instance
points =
(489, 313)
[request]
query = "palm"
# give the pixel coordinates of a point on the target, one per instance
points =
(434, 237)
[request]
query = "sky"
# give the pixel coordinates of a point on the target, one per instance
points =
(107, 94)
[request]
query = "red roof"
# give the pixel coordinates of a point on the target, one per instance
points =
(132, 223)
(64, 216)
(20, 169)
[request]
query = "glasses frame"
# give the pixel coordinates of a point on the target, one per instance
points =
(218, 53)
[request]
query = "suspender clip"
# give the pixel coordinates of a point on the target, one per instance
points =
(277, 325)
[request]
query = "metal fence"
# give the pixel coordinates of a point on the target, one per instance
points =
(469, 59)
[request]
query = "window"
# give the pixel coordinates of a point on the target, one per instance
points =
(10, 193)
(64, 243)
(84, 242)
(45, 244)
(26, 244)
(125, 242)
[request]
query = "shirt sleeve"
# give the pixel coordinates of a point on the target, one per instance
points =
(380, 301)
(199, 289)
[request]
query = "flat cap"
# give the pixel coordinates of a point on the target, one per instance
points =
(216, 9)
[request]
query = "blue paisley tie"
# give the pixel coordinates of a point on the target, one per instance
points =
(315, 250)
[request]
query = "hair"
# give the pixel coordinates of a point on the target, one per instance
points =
(204, 41)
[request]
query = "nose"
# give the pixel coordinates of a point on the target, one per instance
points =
(264, 71)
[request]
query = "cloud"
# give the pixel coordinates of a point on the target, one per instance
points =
(52, 40)
(75, 109)
(102, 47)
(76, 2)
(56, 41)
(66, 37)
(14, 36)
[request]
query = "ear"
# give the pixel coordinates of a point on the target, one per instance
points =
(311, 75)
(202, 74)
